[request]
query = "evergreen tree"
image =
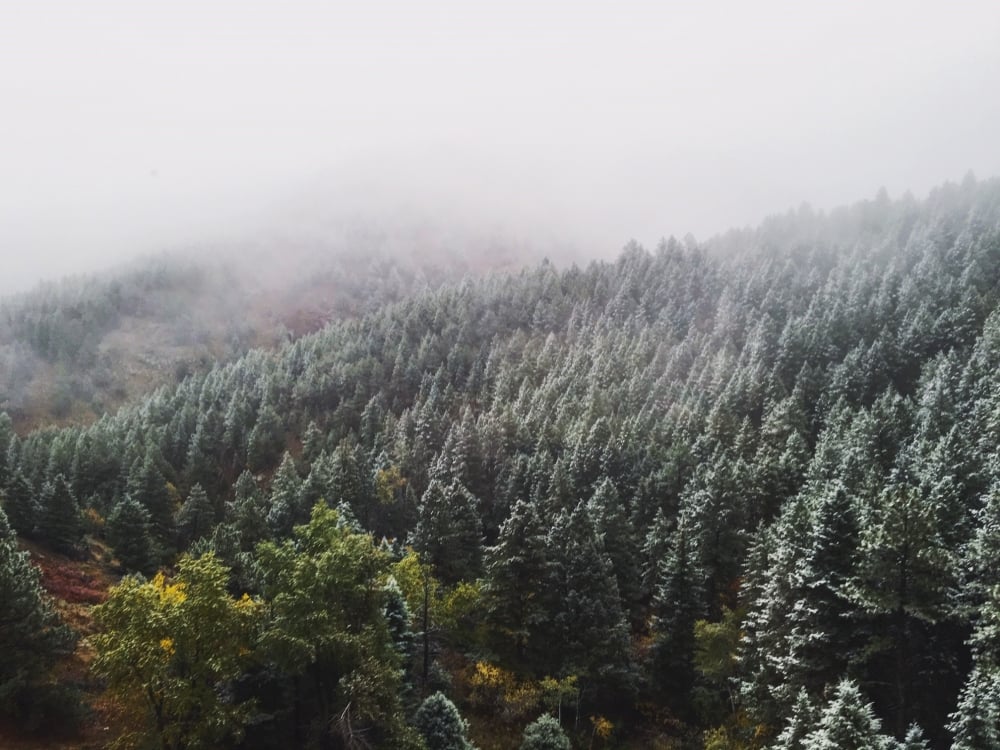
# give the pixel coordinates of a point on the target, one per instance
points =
(449, 532)
(248, 511)
(589, 631)
(266, 439)
(32, 637)
(802, 721)
(847, 723)
(545, 733)
(20, 504)
(615, 528)
(196, 518)
(441, 725)
(976, 722)
(823, 640)
(128, 533)
(285, 511)
(914, 739)
(677, 604)
(148, 486)
(60, 523)
(516, 569)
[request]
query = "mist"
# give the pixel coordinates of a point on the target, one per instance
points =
(130, 128)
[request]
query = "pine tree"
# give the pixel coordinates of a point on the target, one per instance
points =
(441, 725)
(615, 528)
(824, 640)
(148, 486)
(397, 616)
(266, 439)
(285, 511)
(914, 739)
(20, 504)
(677, 604)
(128, 533)
(516, 569)
(60, 523)
(847, 723)
(31, 636)
(248, 511)
(7, 436)
(801, 722)
(589, 631)
(312, 443)
(545, 733)
(196, 518)
(976, 723)
(449, 532)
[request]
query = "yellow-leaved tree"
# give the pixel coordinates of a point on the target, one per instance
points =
(171, 649)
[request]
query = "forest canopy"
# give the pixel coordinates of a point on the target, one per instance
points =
(739, 494)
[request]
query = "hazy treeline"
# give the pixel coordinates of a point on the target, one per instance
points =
(74, 349)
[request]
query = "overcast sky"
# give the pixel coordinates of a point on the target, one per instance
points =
(127, 127)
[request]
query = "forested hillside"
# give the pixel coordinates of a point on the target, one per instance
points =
(73, 350)
(744, 494)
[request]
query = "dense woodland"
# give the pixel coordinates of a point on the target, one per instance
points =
(739, 494)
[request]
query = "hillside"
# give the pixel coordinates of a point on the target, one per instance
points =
(74, 349)
(742, 494)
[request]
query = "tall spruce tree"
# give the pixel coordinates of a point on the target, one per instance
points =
(20, 504)
(449, 531)
(59, 523)
(31, 636)
(128, 533)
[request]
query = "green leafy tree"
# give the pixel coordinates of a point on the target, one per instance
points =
(326, 636)
(172, 650)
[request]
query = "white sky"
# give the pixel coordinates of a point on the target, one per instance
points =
(126, 127)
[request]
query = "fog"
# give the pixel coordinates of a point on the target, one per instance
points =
(130, 127)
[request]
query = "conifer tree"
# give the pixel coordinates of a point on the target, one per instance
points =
(128, 533)
(516, 570)
(20, 504)
(196, 517)
(31, 636)
(847, 722)
(60, 523)
(441, 725)
(285, 510)
(590, 632)
(545, 733)
(615, 528)
(677, 604)
(449, 532)
(976, 722)
(802, 721)
(148, 486)
(248, 511)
